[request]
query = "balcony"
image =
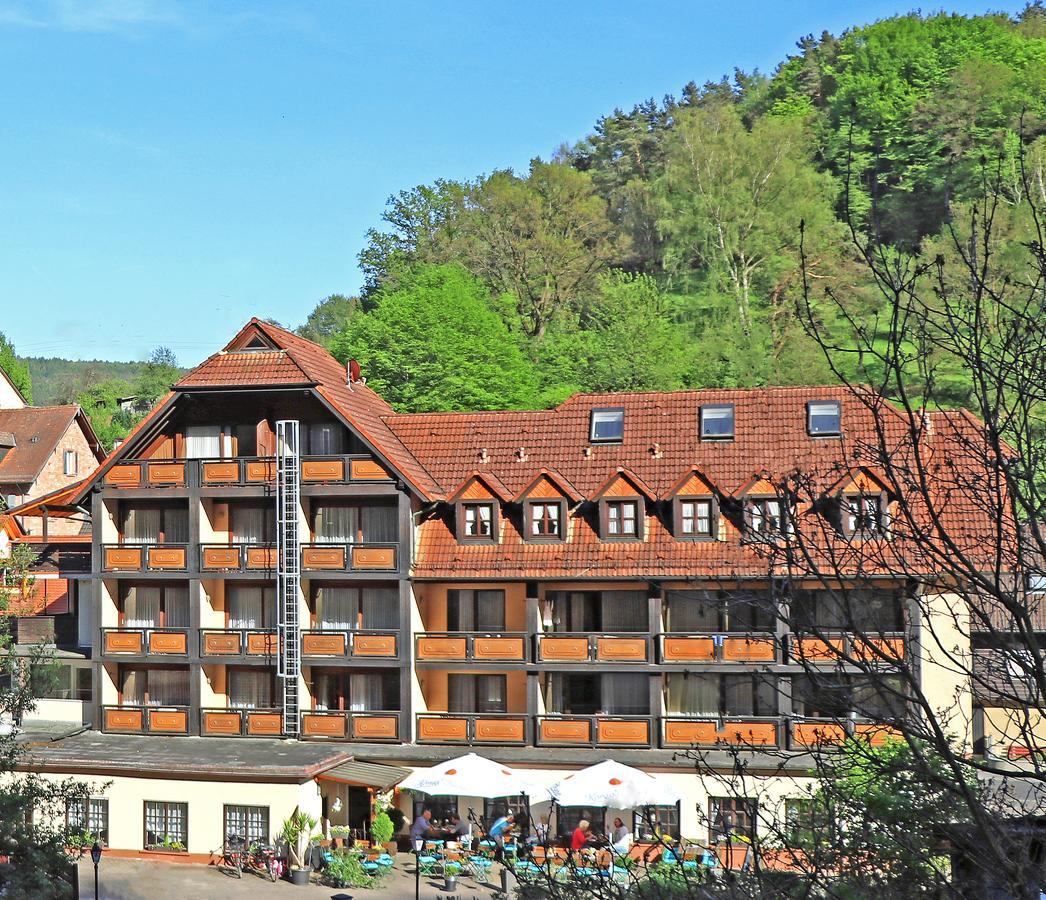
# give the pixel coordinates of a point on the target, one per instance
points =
(594, 731)
(248, 558)
(145, 473)
(139, 558)
(367, 557)
(240, 643)
(248, 471)
(807, 734)
(241, 722)
(145, 642)
(472, 728)
(718, 648)
(366, 644)
(456, 646)
(741, 731)
(838, 647)
(145, 719)
(382, 727)
(561, 647)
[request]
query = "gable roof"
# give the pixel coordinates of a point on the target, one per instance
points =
(11, 384)
(37, 431)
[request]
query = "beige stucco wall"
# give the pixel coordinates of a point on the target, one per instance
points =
(1022, 729)
(945, 662)
(9, 397)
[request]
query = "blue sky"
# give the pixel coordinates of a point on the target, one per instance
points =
(169, 169)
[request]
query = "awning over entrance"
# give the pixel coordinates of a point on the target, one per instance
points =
(367, 774)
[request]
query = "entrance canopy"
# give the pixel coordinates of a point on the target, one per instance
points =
(614, 785)
(365, 774)
(471, 776)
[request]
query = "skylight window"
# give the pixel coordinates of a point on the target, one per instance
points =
(823, 417)
(607, 426)
(717, 422)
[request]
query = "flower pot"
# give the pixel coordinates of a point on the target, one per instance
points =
(450, 884)
(300, 877)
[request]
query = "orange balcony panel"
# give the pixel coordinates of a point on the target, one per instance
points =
(374, 557)
(442, 648)
(165, 473)
(221, 644)
(171, 721)
(123, 642)
(705, 734)
(368, 470)
(261, 557)
(376, 728)
(565, 731)
(323, 557)
(322, 726)
(262, 644)
(261, 470)
(440, 729)
(323, 644)
(876, 735)
(175, 643)
(221, 723)
(221, 557)
(124, 720)
(688, 649)
(510, 648)
(609, 731)
(166, 557)
(126, 558)
(500, 731)
(374, 645)
(264, 723)
(810, 734)
(220, 472)
(621, 649)
(873, 649)
(816, 649)
(323, 470)
(749, 649)
(124, 476)
(561, 649)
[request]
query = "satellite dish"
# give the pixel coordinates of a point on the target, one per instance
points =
(354, 371)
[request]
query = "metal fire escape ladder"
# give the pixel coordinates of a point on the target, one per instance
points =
(288, 571)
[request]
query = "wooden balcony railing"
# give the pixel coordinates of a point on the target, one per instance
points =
(451, 646)
(731, 731)
(145, 719)
(839, 646)
(245, 471)
(362, 557)
(238, 558)
(566, 647)
(146, 473)
(145, 641)
(364, 644)
(382, 726)
(245, 722)
(145, 557)
(806, 734)
(472, 728)
(242, 643)
(594, 731)
(717, 648)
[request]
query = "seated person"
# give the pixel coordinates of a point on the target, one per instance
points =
(421, 827)
(620, 838)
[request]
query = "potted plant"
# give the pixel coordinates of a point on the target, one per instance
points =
(297, 832)
(450, 877)
(381, 831)
(345, 870)
(340, 835)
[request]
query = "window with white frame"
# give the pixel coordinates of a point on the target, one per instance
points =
(622, 518)
(764, 517)
(247, 823)
(70, 465)
(717, 422)
(695, 518)
(545, 519)
(166, 825)
(607, 426)
(864, 514)
(478, 519)
(89, 817)
(823, 417)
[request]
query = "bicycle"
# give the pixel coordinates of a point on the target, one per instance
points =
(264, 857)
(234, 854)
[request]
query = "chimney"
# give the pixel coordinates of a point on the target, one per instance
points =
(484, 456)
(521, 454)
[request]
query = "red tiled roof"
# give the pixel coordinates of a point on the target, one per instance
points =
(37, 431)
(254, 367)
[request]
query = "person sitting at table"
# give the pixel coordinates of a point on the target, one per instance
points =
(580, 836)
(421, 827)
(459, 830)
(540, 837)
(498, 832)
(620, 838)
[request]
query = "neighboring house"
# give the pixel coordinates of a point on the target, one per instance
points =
(10, 396)
(44, 449)
(548, 587)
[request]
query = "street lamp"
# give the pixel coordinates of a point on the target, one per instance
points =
(96, 857)
(418, 844)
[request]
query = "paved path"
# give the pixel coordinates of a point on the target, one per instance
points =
(133, 879)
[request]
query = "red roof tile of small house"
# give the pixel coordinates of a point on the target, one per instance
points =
(37, 431)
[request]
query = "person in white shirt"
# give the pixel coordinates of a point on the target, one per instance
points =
(620, 838)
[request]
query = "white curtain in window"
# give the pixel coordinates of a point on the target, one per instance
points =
(365, 692)
(141, 526)
(246, 607)
(624, 611)
(490, 693)
(337, 524)
(249, 690)
(323, 692)
(378, 523)
(249, 524)
(203, 442)
(142, 607)
(326, 439)
(626, 694)
(338, 608)
(693, 695)
(381, 608)
(555, 692)
(132, 691)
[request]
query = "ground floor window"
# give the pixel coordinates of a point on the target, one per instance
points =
(247, 823)
(166, 825)
(442, 807)
(60, 681)
(653, 823)
(502, 806)
(810, 823)
(567, 818)
(730, 818)
(89, 818)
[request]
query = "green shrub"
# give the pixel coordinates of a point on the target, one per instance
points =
(381, 828)
(346, 870)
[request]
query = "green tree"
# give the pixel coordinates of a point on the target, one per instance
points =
(99, 401)
(439, 341)
(328, 317)
(16, 369)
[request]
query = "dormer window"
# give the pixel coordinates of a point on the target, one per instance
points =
(764, 517)
(622, 518)
(824, 418)
(695, 519)
(545, 520)
(717, 422)
(863, 515)
(607, 425)
(479, 520)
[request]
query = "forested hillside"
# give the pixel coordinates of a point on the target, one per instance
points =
(58, 380)
(662, 249)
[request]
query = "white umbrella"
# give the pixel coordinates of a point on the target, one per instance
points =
(470, 776)
(614, 785)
